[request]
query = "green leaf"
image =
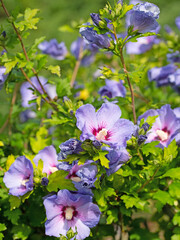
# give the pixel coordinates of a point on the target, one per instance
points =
(150, 120)
(40, 165)
(151, 148)
(41, 141)
(13, 215)
(103, 160)
(112, 216)
(21, 232)
(57, 181)
(14, 202)
(1, 236)
(173, 173)
(56, 121)
(10, 65)
(103, 195)
(176, 219)
(175, 237)
(26, 196)
(2, 227)
(54, 69)
(171, 151)
(174, 190)
(163, 197)
(133, 202)
(63, 88)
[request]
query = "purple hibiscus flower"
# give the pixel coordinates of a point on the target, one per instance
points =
(49, 157)
(54, 49)
(174, 57)
(104, 125)
(177, 21)
(116, 157)
(177, 112)
(92, 37)
(143, 17)
(71, 146)
(3, 76)
(142, 45)
(113, 89)
(161, 74)
(83, 175)
(165, 128)
(70, 210)
(27, 92)
(19, 177)
(174, 80)
(26, 115)
(91, 50)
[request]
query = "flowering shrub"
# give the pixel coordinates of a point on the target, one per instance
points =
(91, 150)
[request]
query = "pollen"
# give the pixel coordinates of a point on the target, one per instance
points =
(101, 134)
(69, 213)
(162, 135)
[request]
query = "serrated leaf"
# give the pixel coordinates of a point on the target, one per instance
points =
(133, 202)
(10, 65)
(57, 180)
(41, 141)
(103, 160)
(54, 69)
(163, 197)
(56, 121)
(173, 173)
(171, 151)
(13, 215)
(14, 202)
(151, 148)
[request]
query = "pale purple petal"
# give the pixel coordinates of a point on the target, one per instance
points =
(121, 132)
(56, 226)
(107, 115)
(89, 214)
(86, 120)
(19, 177)
(49, 157)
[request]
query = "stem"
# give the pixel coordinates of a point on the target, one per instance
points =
(147, 182)
(11, 108)
(129, 83)
(76, 68)
(23, 47)
(127, 76)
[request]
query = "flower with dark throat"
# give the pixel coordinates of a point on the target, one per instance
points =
(70, 210)
(19, 177)
(165, 128)
(104, 125)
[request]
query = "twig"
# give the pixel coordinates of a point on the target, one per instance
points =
(127, 76)
(147, 182)
(11, 108)
(76, 68)
(23, 47)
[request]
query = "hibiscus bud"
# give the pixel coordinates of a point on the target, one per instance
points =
(145, 126)
(96, 144)
(44, 181)
(141, 139)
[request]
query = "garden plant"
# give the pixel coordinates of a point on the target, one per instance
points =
(89, 148)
